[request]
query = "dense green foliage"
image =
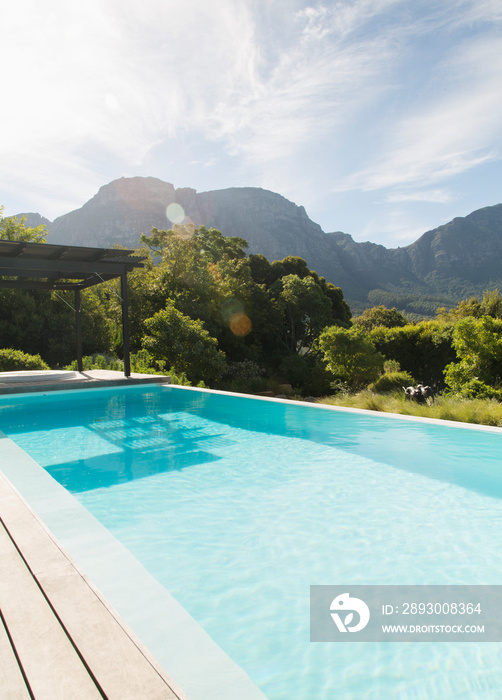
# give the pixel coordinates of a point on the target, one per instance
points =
(478, 344)
(414, 304)
(381, 316)
(255, 311)
(40, 322)
(16, 361)
(14, 229)
(422, 349)
(176, 339)
(205, 311)
(351, 355)
(490, 305)
(390, 382)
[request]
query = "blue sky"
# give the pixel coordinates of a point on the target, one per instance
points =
(382, 117)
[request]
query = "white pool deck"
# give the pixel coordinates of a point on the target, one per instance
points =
(57, 380)
(80, 617)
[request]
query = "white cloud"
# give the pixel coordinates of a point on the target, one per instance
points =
(367, 94)
(437, 196)
(447, 135)
(121, 74)
(313, 89)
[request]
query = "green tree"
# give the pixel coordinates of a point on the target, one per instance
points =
(210, 244)
(266, 274)
(381, 316)
(478, 344)
(490, 305)
(261, 270)
(218, 247)
(183, 343)
(423, 349)
(257, 311)
(199, 269)
(14, 229)
(351, 355)
(304, 309)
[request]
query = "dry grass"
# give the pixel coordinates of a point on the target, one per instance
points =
(480, 411)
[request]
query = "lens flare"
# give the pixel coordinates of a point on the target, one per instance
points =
(240, 324)
(175, 213)
(230, 308)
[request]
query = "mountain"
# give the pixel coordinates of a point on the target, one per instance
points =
(454, 261)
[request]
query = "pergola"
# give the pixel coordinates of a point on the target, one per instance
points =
(26, 265)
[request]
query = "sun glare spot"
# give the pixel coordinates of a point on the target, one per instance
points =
(175, 213)
(232, 311)
(240, 324)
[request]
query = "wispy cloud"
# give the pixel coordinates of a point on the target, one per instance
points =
(310, 94)
(437, 196)
(99, 83)
(448, 133)
(303, 97)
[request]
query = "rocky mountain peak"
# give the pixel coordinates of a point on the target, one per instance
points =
(459, 258)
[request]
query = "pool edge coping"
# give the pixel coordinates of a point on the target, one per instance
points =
(345, 409)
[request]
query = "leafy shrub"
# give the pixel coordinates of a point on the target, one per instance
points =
(143, 363)
(391, 366)
(246, 386)
(340, 390)
(245, 377)
(478, 344)
(180, 378)
(380, 316)
(351, 355)
(17, 360)
(423, 349)
(391, 381)
(476, 389)
(97, 361)
(184, 344)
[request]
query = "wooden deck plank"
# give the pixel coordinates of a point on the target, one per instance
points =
(51, 664)
(122, 665)
(124, 672)
(12, 681)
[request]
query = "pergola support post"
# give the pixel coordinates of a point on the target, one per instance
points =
(125, 324)
(78, 325)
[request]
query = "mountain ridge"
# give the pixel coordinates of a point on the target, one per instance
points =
(458, 259)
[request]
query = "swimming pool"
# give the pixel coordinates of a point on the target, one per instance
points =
(237, 505)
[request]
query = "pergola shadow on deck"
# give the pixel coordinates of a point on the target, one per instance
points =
(26, 265)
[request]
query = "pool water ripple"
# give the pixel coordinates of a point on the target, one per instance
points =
(238, 522)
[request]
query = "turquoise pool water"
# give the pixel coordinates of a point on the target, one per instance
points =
(238, 505)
